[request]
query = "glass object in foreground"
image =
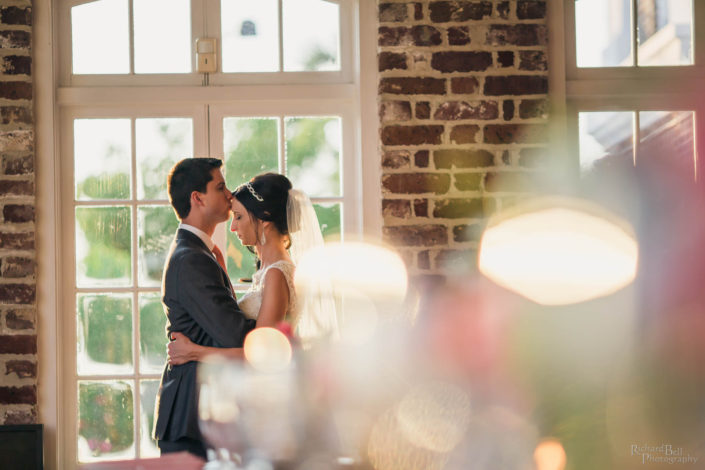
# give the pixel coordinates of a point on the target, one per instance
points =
(558, 251)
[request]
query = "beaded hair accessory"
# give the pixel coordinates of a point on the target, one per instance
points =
(253, 192)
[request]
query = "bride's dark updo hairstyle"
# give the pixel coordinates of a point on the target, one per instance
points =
(273, 189)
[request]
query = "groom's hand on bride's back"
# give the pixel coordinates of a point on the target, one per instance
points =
(179, 350)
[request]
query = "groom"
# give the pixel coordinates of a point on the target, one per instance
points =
(197, 297)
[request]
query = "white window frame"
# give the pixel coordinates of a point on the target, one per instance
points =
(60, 97)
(574, 89)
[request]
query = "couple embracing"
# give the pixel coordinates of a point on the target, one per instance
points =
(203, 316)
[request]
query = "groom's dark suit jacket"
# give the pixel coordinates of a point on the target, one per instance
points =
(198, 302)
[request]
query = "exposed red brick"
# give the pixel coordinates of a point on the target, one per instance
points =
(391, 61)
(16, 65)
(442, 12)
(516, 35)
(18, 165)
(416, 235)
(397, 36)
(416, 183)
(458, 36)
(465, 259)
(509, 182)
(425, 35)
(468, 233)
(506, 157)
(392, 12)
(446, 159)
(464, 134)
(17, 241)
(422, 110)
(468, 181)
(421, 159)
(16, 114)
(516, 85)
(418, 11)
(396, 159)
(412, 86)
(459, 208)
(394, 111)
(15, 15)
(411, 135)
(503, 10)
(464, 85)
(17, 188)
(533, 60)
(16, 90)
(505, 59)
(400, 208)
(21, 319)
(23, 369)
(423, 260)
(18, 213)
(532, 157)
(508, 110)
(421, 207)
(515, 133)
(531, 9)
(17, 294)
(15, 40)
(26, 395)
(407, 257)
(18, 344)
(15, 267)
(17, 140)
(461, 61)
(453, 110)
(533, 109)
(14, 417)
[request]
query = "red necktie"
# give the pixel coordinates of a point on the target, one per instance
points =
(221, 261)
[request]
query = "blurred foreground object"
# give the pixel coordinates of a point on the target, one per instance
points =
(179, 460)
(558, 251)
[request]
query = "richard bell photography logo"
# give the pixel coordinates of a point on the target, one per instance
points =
(664, 453)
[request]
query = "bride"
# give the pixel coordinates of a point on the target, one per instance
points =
(280, 224)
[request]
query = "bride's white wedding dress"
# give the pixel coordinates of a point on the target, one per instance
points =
(251, 300)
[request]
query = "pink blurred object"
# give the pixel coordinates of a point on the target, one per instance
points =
(175, 461)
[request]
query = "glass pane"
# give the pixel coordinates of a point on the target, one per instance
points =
(160, 143)
(162, 36)
(606, 141)
(100, 37)
(603, 32)
(102, 158)
(250, 35)
(241, 263)
(153, 338)
(251, 147)
(313, 154)
(103, 252)
(156, 226)
(665, 32)
(104, 334)
(105, 420)
(148, 393)
(330, 220)
(307, 48)
(666, 141)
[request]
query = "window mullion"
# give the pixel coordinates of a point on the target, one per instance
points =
(635, 32)
(136, 429)
(636, 137)
(131, 34)
(281, 35)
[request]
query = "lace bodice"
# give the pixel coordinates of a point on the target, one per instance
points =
(251, 300)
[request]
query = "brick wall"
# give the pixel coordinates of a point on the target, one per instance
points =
(463, 118)
(18, 334)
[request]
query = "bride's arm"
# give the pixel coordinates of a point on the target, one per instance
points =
(181, 350)
(275, 299)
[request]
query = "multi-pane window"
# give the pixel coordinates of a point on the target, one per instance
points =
(125, 65)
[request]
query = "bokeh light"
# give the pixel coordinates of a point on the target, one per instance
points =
(549, 455)
(558, 251)
(267, 349)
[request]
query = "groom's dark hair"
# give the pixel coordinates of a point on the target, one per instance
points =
(187, 176)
